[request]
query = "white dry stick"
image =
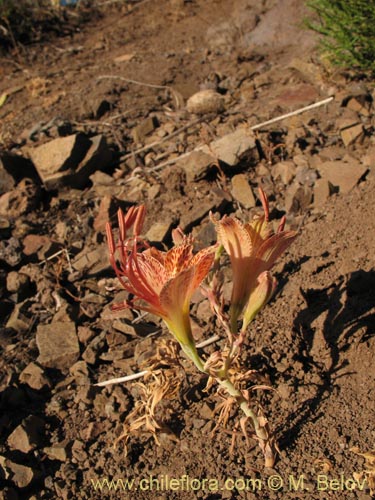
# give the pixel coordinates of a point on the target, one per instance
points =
(293, 113)
(118, 380)
(64, 250)
(134, 376)
(254, 127)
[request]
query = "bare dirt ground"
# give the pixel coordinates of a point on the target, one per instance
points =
(111, 97)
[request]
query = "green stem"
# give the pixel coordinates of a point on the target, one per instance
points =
(192, 353)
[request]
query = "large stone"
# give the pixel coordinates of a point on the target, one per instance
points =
(351, 134)
(242, 192)
(58, 345)
(21, 475)
(158, 231)
(60, 155)
(342, 174)
(98, 156)
(93, 262)
(196, 165)
(232, 147)
(70, 160)
(27, 435)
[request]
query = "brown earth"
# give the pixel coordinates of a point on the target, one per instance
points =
(313, 344)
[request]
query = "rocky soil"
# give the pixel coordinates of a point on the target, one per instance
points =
(180, 105)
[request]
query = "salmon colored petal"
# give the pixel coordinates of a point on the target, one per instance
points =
(202, 262)
(152, 271)
(155, 254)
(177, 259)
(272, 248)
(174, 300)
(234, 237)
(177, 291)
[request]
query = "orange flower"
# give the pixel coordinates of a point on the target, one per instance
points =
(164, 281)
(253, 248)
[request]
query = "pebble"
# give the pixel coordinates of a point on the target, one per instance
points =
(242, 191)
(33, 375)
(58, 345)
(205, 101)
(27, 435)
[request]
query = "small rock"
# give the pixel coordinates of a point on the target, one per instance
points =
(297, 198)
(100, 108)
(123, 327)
(153, 191)
(351, 134)
(18, 320)
(27, 435)
(205, 101)
(57, 452)
(6, 180)
(10, 251)
(34, 376)
(341, 174)
(78, 451)
(54, 159)
(355, 104)
(94, 262)
(232, 147)
(158, 231)
(242, 191)
(143, 129)
(21, 475)
(32, 243)
(17, 282)
(92, 351)
(197, 165)
(369, 157)
(103, 216)
(322, 192)
(305, 176)
(58, 345)
(85, 334)
(20, 200)
(70, 160)
(100, 178)
(80, 372)
(14, 168)
(285, 170)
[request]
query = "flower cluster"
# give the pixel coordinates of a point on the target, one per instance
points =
(163, 283)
